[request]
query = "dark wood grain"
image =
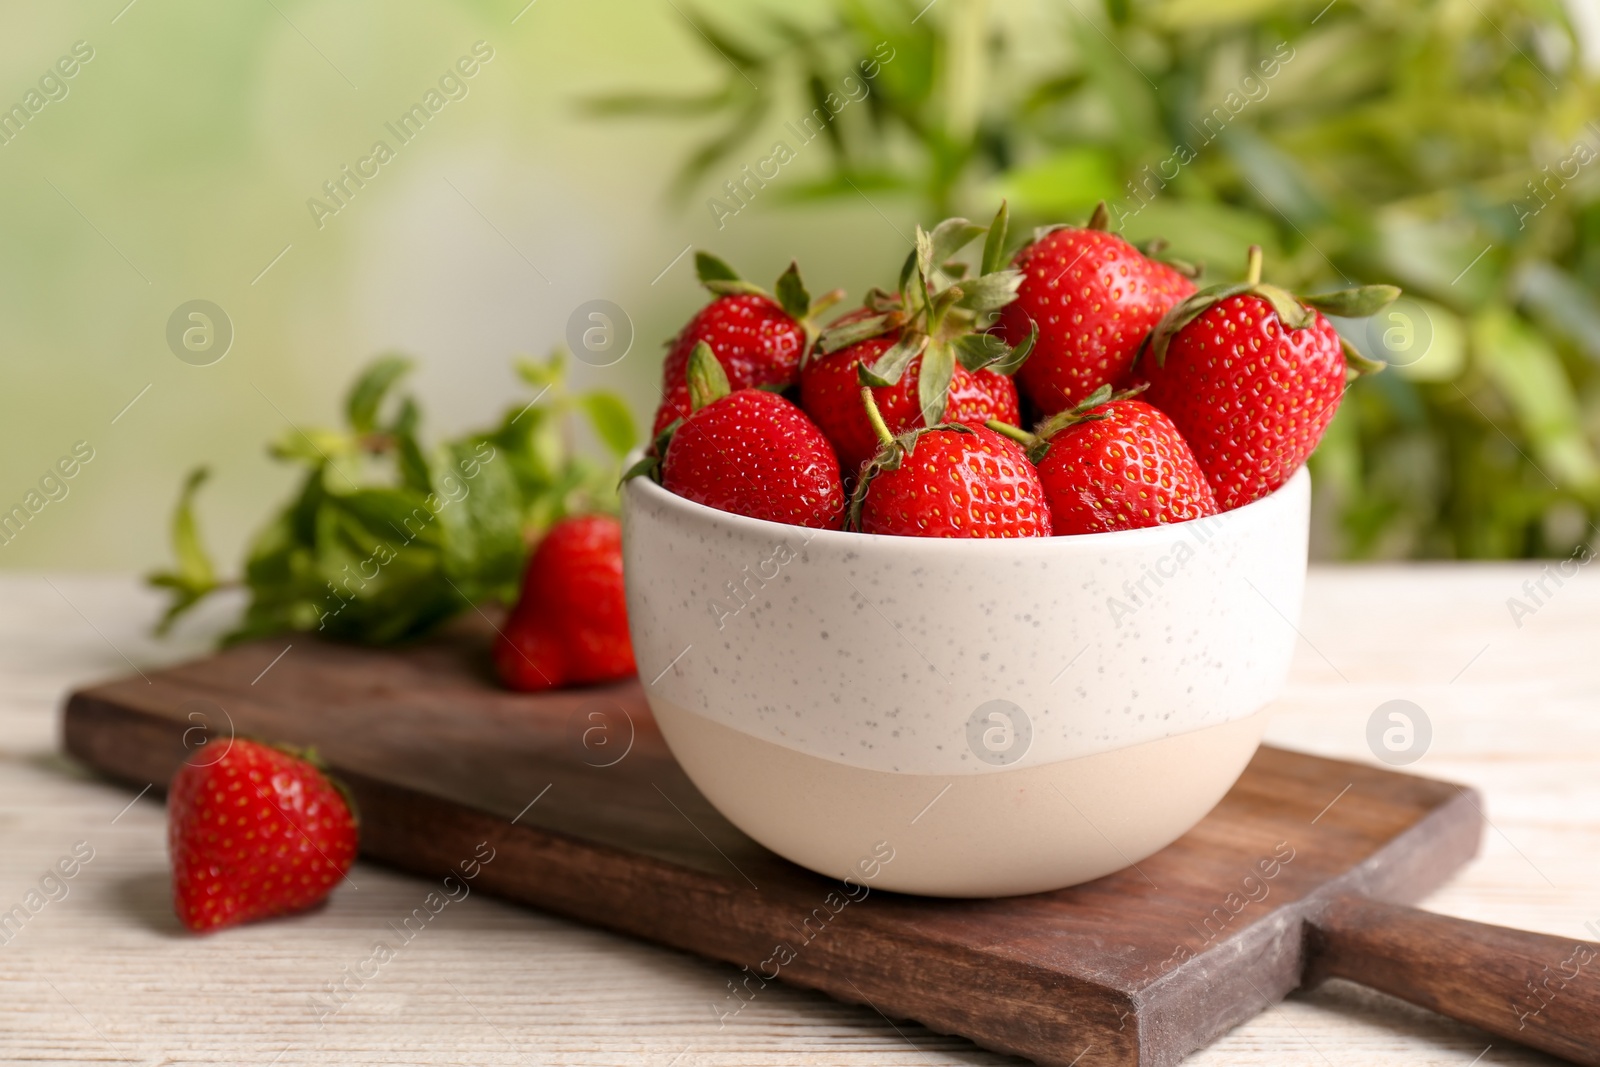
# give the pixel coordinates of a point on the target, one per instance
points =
(1138, 968)
(1531, 988)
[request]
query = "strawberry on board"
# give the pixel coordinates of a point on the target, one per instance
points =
(749, 452)
(1115, 463)
(949, 480)
(920, 351)
(1252, 375)
(1092, 297)
(570, 625)
(757, 338)
(258, 832)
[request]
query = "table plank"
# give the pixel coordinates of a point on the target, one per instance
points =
(105, 973)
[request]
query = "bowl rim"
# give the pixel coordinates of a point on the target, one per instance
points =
(845, 539)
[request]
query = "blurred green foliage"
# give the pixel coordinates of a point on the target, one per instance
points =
(385, 538)
(1448, 147)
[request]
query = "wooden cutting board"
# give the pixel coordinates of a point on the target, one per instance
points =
(1300, 873)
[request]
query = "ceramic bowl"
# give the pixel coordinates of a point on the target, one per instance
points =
(997, 717)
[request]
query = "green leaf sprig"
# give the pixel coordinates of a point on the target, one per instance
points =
(387, 538)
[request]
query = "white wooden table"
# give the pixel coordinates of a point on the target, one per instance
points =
(105, 974)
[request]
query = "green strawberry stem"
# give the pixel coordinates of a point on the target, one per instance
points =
(1016, 433)
(1085, 409)
(875, 417)
(1252, 271)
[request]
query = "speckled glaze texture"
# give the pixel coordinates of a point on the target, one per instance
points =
(881, 652)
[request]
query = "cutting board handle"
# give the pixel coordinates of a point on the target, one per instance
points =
(1534, 989)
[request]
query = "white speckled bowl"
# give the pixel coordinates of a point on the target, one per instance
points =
(998, 717)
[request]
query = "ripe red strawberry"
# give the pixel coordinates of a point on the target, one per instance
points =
(830, 392)
(921, 351)
(749, 452)
(674, 405)
(1113, 463)
(1093, 298)
(757, 338)
(1252, 376)
(570, 625)
(948, 481)
(256, 832)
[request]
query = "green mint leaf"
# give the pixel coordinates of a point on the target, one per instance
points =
(366, 395)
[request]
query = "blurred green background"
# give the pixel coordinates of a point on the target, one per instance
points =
(1451, 148)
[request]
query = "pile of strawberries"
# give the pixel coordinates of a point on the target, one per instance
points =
(1151, 403)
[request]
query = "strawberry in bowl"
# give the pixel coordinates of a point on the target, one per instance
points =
(1092, 298)
(756, 337)
(1067, 695)
(919, 351)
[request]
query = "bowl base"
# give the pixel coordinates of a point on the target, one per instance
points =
(999, 833)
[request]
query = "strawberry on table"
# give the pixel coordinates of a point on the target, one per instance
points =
(258, 832)
(920, 351)
(1252, 375)
(1115, 463)
(570, 625)
(1092, 297)
(749, 452)
(758, 339)
(949, 480)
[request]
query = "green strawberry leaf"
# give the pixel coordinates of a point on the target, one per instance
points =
(1354, 303)
(733, 288)
(975, 351)
(890, 366)
(994, 245)
(933, 382)
(992, 291)
(837, 337)
(707, 380)
(948, 238)
(709, 268)
(880, 301)
(1291, 312)
(1011, 363)
(917, 295)
(792, 295)
(907, 269)
(1182, 314)
(647, 466)
(1357, 365)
